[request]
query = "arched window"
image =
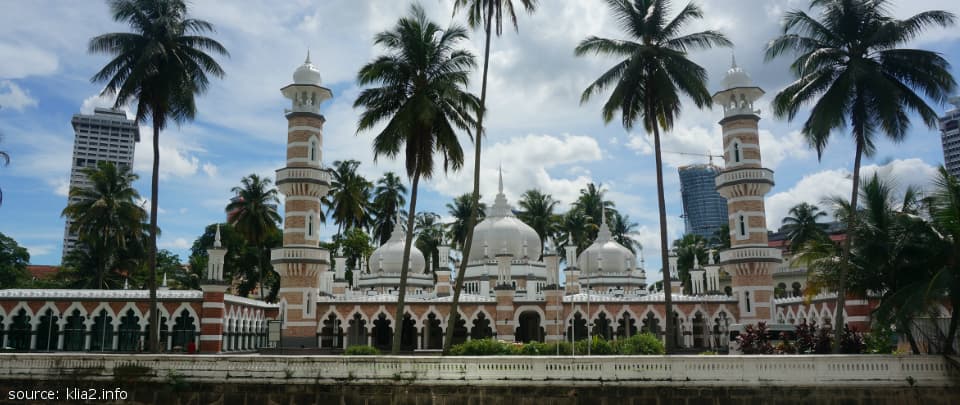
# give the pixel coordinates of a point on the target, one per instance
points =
(743, 226)
(746, 296)
(310, 225)
(313, 150)
(736, 152)
(184, 329)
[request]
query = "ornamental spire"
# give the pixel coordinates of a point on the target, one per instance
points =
(500, 188)
(306, 62)
(216, 238)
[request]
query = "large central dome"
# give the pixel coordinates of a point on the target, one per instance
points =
(502, 232)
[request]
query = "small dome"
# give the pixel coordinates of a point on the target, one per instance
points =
(390, 255)
(736, 77)
(614, 257)
(307, 73)
(501, 232)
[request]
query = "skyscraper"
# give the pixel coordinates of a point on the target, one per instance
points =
(950, 135)
(104, 136)
(705, 210)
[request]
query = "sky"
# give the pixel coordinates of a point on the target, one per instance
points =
(536, 128)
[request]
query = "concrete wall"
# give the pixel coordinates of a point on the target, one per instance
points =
(725, 371)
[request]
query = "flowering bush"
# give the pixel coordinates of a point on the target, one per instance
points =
(753, 340)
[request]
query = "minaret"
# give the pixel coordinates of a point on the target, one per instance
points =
(744, 182)
(303, 182)
(214, 288)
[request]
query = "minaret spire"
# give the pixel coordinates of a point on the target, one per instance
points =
(733, 60)
(216, 238)
(500, 169)
(308, 57)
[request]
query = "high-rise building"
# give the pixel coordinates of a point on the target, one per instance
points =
(104, 136)
(950, 135)
(704, 209)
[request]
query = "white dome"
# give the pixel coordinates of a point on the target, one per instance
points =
(736, 77)
(307, 73)
(390, 255)
(502, 232)
(614, 257)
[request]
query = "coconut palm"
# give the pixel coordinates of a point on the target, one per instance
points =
(689, 247)
(461, 209)
(388, 200)
(576, 226)
(485, 13)
(850, 66)
(163, 64)
(945, 212)
(537, 211)
(593, 204)
(647, 83)
(253, 212)
(802, 225)
(423, 99)
(105, 216)
(621, 227)
(349, 197)
(429, 232)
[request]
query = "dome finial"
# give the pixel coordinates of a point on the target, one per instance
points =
(603, 214)
(216, 238)
(308, 57)
(500, 170)
(733, 60)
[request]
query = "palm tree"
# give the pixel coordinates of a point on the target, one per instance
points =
(945, 212)
(461, 209)
(105, 216)
(163, 64)
(484, 13)
(423, 98)
(537, 211)
(688, 247)
(621, 228)
(388, 201)
(576, 226)
(349, 196)
(429, 232)
(592, 203)
(648, 82)
(850, 68)
(802, 226)
(254, 214)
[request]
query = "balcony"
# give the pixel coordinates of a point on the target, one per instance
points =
(303, 175)
(745, 254)
(299, 255)
(737, 176)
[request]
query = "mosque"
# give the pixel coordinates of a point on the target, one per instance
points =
(511, 292)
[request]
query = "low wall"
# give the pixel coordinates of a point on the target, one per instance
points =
(727, 371)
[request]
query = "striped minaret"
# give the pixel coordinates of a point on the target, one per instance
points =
(303, 182)
(743, 182)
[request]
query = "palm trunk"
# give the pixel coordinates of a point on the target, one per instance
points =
(667, 294)
(154, 325)
(475, 198)
(263, 272)
(847, 245)
(405, 267)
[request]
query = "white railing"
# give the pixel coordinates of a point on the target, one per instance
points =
(291, 253)
(307, 173)
(750, 253)
(744, 174)
(742, 371)
(107, 295)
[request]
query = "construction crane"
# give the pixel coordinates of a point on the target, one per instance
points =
(707, 155)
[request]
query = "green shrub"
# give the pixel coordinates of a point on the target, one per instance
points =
(565, 348)
(361, 351)
(644, 343)
(880, 341)
(484, 347)
(598, 347)
(536, 349)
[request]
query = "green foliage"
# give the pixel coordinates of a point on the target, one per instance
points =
(753, 339)
(240, 263)
(13, 263)
(354, 244)
(640, 344)
(460, 209)
(348, 201)
(429, 233)
(360, 350)
(388, 201)
(483, 347)
(880, 340)
(598, 347)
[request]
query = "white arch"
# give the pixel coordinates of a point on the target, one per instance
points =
(16, 311)
(123, 312)
(655, 315)
(525, 308)
(473, 317)
(171, 320)
(75, 305)
(35, 321)
(103, 306)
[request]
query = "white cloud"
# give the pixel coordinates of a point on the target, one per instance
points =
(100, 100)
(525, 161)
(210, 169)
(178, 243)
(20, 61)
(816, 187)
(690, 145)
(39, 250)
(61, 187)
(12, 96)
(176, 156)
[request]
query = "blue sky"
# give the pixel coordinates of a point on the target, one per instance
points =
(537, 131)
